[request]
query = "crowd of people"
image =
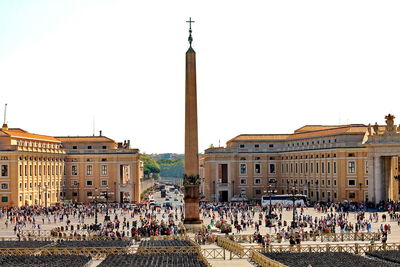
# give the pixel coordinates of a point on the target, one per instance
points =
(142, 220)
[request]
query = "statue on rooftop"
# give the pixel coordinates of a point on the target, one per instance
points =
(376, 129)
(391, 128)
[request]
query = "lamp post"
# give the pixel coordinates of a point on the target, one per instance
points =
(45, 197)
(294, 224)
(40, 195)
(95, 208)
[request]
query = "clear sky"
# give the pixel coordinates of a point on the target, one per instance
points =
(262, 66)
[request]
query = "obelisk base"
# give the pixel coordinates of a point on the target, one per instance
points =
(192, 220)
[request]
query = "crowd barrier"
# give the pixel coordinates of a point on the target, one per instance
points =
(322, 237)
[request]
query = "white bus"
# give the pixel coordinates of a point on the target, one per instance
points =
(284, 200)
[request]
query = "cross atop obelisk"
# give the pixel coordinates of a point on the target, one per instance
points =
(190, 39)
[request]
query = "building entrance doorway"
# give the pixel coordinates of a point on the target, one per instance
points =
(223, 196)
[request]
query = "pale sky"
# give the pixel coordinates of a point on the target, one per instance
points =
(262, 66)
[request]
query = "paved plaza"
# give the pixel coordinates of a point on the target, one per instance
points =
(177, 202)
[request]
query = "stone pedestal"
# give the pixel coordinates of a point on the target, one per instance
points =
(192, 209)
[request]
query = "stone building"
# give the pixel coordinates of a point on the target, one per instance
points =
(38, 169)
(326, 163)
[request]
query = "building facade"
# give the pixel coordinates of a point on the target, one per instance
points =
(44, 170)
(326, 163)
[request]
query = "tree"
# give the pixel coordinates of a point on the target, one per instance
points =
(151, 168)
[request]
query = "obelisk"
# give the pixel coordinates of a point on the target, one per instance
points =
(191, 179)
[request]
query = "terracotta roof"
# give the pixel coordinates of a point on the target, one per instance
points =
(259, 137)
(304, 132)
(308, 128)
(79, 139)
(333, 131)
(21, 134)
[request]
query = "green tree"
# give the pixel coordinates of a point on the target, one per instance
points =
(151, 168)
(171, 167)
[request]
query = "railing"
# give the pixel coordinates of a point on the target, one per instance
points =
(355, 248)
(234, 248)
(323, 237)
(263, 261)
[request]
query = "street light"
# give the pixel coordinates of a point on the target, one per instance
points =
(270, 191)
(45, 197)
(294, 224)
(95, 211)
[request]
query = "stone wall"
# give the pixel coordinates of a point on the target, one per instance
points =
(144, 184)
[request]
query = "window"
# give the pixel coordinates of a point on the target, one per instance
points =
(257, 181)
(322, 182)
(329, 182)
(74, 147)
(366, 166)
(256, 145)
(30, 170)
(74, 194)
(74, 183)
(243, 181)
(334, 167)
(104, 170)
(352, 182)
(322, 167)
(366, 182)
(242, 158)
(4, 199)
(328, 167)
(352, 195)
(306, 171)
(20, 170)
(334, 195)
(351, 155)
(74, 170)
(89, 147)
(89, 194)
(296, 167)
(351, 167)
(311, 167)
(104, 147)
(301, 167)
(316, 167)
(271, 145)
(323, 194)
(272, 168)
(243, 169)
(103, 159)
(4, 170)
(258, 192)
(257, 168)
(104, 182)
(4, 186)
(257, 158)
(241, 146)
(89, 170)
(89, 182)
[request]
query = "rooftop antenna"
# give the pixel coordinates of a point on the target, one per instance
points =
(5, 114)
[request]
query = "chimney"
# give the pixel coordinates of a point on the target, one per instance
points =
(128, 144)
(101, 132)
